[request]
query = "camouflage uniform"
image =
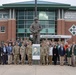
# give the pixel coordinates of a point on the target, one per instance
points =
(22, 52)
(45, 55)
(16, 52)
(29, 53)
(41, 54)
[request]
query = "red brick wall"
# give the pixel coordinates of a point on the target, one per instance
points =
(13, 29)
(60, 27)
(68, 24)
(63, 29)
(4, 36)
(10, 30)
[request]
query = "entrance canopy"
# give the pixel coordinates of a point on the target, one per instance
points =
(54, 36)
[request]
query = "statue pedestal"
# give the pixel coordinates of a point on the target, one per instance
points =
(36, 53)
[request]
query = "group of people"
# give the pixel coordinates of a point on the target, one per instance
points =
(14, 52)
(58, 52)
(51, 52)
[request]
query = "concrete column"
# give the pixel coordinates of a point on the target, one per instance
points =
(10, 13)
(2, 16)
(62, 14)
(13, 13)
(58, 13)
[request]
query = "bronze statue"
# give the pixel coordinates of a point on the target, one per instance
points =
(35, 28)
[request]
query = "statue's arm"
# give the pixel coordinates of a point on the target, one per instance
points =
(31, 28)
(40, 27)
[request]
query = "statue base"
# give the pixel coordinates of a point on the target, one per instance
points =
(36, 53)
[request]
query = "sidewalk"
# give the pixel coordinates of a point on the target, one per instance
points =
(36, 70)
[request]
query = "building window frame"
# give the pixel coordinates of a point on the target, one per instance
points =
(0, 16)
(2, 29)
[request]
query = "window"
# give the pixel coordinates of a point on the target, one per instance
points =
(21, 12)
(21, 17)
(2, 29)
(5, 16)
(25, 19)
(20, 35)
(70, 15)
(43, 16)
(0, 15)
(20, 22)
(21, 26)
(21, 30)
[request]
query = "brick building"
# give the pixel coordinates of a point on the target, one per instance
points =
(58, 20)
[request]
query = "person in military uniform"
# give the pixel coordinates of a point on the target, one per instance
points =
(47, 51)
(25, 41)
(44, 52)
(29, 52)
(16, 52)
(41, 53)
(35, 28)
(22, 53)
(47, 44)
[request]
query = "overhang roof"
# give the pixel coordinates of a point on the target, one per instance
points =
(72, 8)
(39, 4)
(1, 7)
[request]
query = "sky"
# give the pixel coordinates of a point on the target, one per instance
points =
(72, 2)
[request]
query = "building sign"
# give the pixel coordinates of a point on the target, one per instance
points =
(36, 51)
(50, 36)
(54, 36)
(73, 30)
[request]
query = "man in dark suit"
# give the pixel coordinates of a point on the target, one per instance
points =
(4, 54)
(62, 54)
(55, 54)
(0, 54)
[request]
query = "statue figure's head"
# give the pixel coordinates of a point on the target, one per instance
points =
(36, 19)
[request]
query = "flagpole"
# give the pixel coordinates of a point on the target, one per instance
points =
(35, 8)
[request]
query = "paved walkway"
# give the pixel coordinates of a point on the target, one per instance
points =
(36, 70)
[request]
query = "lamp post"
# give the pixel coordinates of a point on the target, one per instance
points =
(35, 8)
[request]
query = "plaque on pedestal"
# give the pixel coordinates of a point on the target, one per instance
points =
(36, 52)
